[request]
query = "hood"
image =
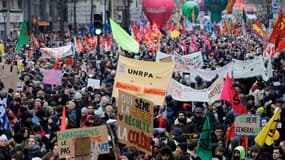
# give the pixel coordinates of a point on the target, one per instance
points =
(241, 151)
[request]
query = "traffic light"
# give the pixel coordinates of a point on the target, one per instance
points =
(98, 24)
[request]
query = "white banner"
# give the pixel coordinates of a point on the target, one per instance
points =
(57, 52)
(237, 69)
(185, 61)
(184, 93)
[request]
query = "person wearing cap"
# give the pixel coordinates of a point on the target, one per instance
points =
(127, 156)
(197, 119)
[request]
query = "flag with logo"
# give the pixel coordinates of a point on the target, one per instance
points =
(5, 124)
(204, 146)
(230, 94)
(269, 132)
(24, 37)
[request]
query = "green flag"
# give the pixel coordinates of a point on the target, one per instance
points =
(204, 147)
(23, 38)
(123, 39)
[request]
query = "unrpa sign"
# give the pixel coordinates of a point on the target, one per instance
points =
(247, 125)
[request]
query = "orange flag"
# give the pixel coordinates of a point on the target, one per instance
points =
(79, 45)
(63, 120)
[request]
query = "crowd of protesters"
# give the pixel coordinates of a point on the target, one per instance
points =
(35, 113)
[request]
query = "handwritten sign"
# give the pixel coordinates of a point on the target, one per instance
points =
(94, 83)
(247, 125)
(97, 135)
(52, 77)
(135, 124)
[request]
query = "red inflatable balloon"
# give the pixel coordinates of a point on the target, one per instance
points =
(158, 11)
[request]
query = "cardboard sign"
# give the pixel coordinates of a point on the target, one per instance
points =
(247, 125)
(82, 154)
(98, 135)
(135, 122)
(94, 83)
(52, 77)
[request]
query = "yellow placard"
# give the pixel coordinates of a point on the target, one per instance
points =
(146, 79)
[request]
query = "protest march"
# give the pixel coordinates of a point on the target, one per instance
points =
(173, 86)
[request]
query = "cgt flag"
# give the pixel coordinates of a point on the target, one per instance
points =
(5, 124)
(204, 147)
(269, 133)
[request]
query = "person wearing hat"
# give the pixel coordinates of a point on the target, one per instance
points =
(197, 119)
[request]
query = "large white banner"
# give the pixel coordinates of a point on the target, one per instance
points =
(57, 52)
(184, 93)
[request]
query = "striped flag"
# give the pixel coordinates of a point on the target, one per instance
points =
(258, 31)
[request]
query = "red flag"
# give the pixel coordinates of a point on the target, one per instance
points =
(278, 30)
(93, 41)
(35, 42)
(57, 64)
(108, 39)
(87, 40)
(229, 94)
(79, 45)
(281, 46)
(231, 131)
(63, 120)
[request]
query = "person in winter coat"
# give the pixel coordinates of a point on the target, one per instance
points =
(5, 151)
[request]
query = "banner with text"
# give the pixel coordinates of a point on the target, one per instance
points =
(135, 121)
(183, 63)
(56, 52)
(184, 93)
(247, 125)
(143, 78)
(52, 77)
(98, 137)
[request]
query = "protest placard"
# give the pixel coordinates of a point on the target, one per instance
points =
(52, 77)
(247, 125)
(135, 122)
(98, 135)
(20, 86)
(94, 83)
(148, 79)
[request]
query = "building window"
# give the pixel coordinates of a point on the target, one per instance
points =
(4, 4)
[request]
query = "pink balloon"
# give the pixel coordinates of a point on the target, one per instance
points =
(158, 11)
